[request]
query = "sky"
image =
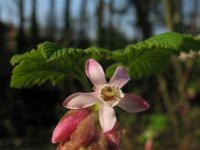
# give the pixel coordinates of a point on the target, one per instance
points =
(9, 13)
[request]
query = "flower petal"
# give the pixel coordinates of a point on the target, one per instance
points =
(120, 77)
(107, 117)
(133, 103)
(95, 73)
(80, 100)
(68, 124)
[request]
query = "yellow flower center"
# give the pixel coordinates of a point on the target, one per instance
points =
(110, 94)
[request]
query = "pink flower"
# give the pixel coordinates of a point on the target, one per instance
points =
(107, 95)
(68, 124)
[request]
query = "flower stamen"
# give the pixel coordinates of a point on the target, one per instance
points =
(110, 93)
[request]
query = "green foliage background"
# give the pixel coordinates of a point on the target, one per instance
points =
(51, 62)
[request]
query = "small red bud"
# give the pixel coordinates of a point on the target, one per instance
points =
(68, 124)
(114, 137)
(148, 145)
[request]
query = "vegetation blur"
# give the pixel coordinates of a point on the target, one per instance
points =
(29, 115)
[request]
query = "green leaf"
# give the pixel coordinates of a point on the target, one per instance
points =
(50, 62)
(26, 57)
(173, 42)
(32, 69)
(48, 48)
(157, 122)
(153, 55)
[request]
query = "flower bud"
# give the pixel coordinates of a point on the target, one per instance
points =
(85, 132)
(68, 124)
(109, 140)
(69, 145)
(114, 137)
(99, 143)
(149, 144)
(77, 130)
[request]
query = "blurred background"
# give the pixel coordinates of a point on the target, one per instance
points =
(28, 116)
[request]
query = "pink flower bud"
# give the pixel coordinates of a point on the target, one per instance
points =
(100, 142)
(108, 140)
(149, 144)
(85, 132)
(69, 145)
(68, 124)
(114, 137)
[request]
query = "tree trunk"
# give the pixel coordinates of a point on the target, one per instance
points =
(21, 44)
(67, 37)
(178, 16)
(142, 12)
(173, 15)
(34, 24)
(100, 29)
(193, 28)
(83, 41)
(110, 37)
(51, 21)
